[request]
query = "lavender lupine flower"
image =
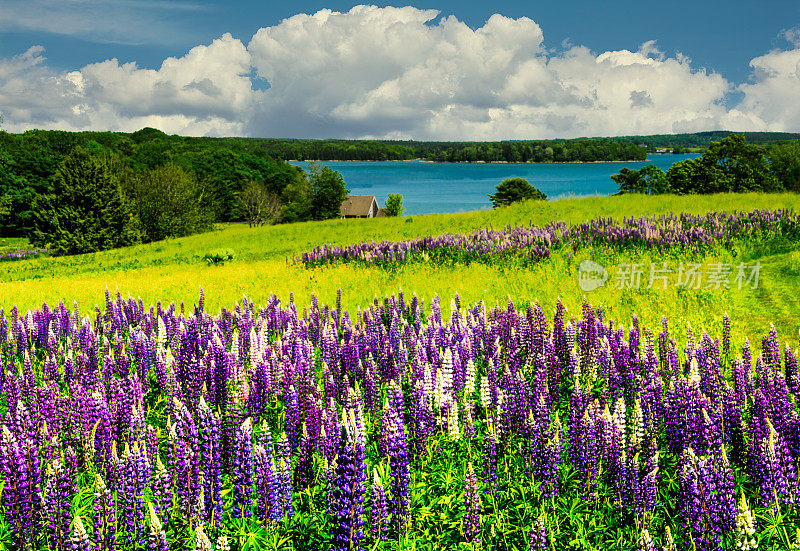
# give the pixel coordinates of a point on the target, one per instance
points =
(347, 491)
(79, 539)
(378, 506)
(726, 334)
(56, 504)
(538, 535)
(209, 440)
(156, 537)
(243, 470)
(472, 504)
(21, 499)
(105, 520)
(398, 462)
(701, 504)
(267, 487)
(284, 476)
(133, 480)
(304, 469)
(776, 471)
(162, 490)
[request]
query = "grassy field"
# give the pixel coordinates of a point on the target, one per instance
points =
(263, 264)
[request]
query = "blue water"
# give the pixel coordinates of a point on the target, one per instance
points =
(458, 187)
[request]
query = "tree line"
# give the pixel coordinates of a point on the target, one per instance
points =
(702, 140)
(77, 192)
(729, 165)
(539, 151)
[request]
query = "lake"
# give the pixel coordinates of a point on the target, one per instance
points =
(457, 187)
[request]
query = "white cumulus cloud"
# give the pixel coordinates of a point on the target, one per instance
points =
(402, 73)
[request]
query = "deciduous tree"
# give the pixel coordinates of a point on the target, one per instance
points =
(512, 190)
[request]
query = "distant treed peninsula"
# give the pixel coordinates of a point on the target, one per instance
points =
(622, 148)
(538, 151)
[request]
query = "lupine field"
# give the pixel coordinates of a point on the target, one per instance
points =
(624, 419)
(535, 243)
(397, 426)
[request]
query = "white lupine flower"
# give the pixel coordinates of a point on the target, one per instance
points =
(485, 396)
(620, 412)
(636, 436)
(469, 383)
(202, 543)
(438, 401)
(453, 428)
(669, 542)
(447, 370)
(646, 541)
(255, 348)
(745, 527)
(694, 373)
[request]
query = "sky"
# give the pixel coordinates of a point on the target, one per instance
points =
(447, 70)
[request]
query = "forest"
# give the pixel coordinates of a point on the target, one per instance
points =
(170, 186)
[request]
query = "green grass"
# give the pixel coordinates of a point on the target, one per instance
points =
(263, 264)
(10, 244)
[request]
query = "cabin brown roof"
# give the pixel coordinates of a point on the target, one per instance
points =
(356, 205)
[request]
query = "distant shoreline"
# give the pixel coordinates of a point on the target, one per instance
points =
(461, 162)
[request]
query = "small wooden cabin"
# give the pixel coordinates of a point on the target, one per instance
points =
(360, 206)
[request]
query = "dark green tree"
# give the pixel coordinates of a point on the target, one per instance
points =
(169, 202)
(512, 190)
(784, 163)
(744, 165)
(394, 205)
(296, 200)
(85, 210)
(650, 180)
(327, 191)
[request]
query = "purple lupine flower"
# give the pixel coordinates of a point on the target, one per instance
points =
(776, 471)
(347, 491)
(304, 469)
(267, 486)
(56, 504)
(378, 505)
(726, 334)
(21, 499)
(209, 433)
(134, 477)
(472, 504)
(105, 519)
(538, 535)
(398, 462)
(243, 470)
(699, 501)
(284, 476)
(162, 490)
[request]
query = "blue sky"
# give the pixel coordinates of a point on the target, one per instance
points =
(695, 43)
